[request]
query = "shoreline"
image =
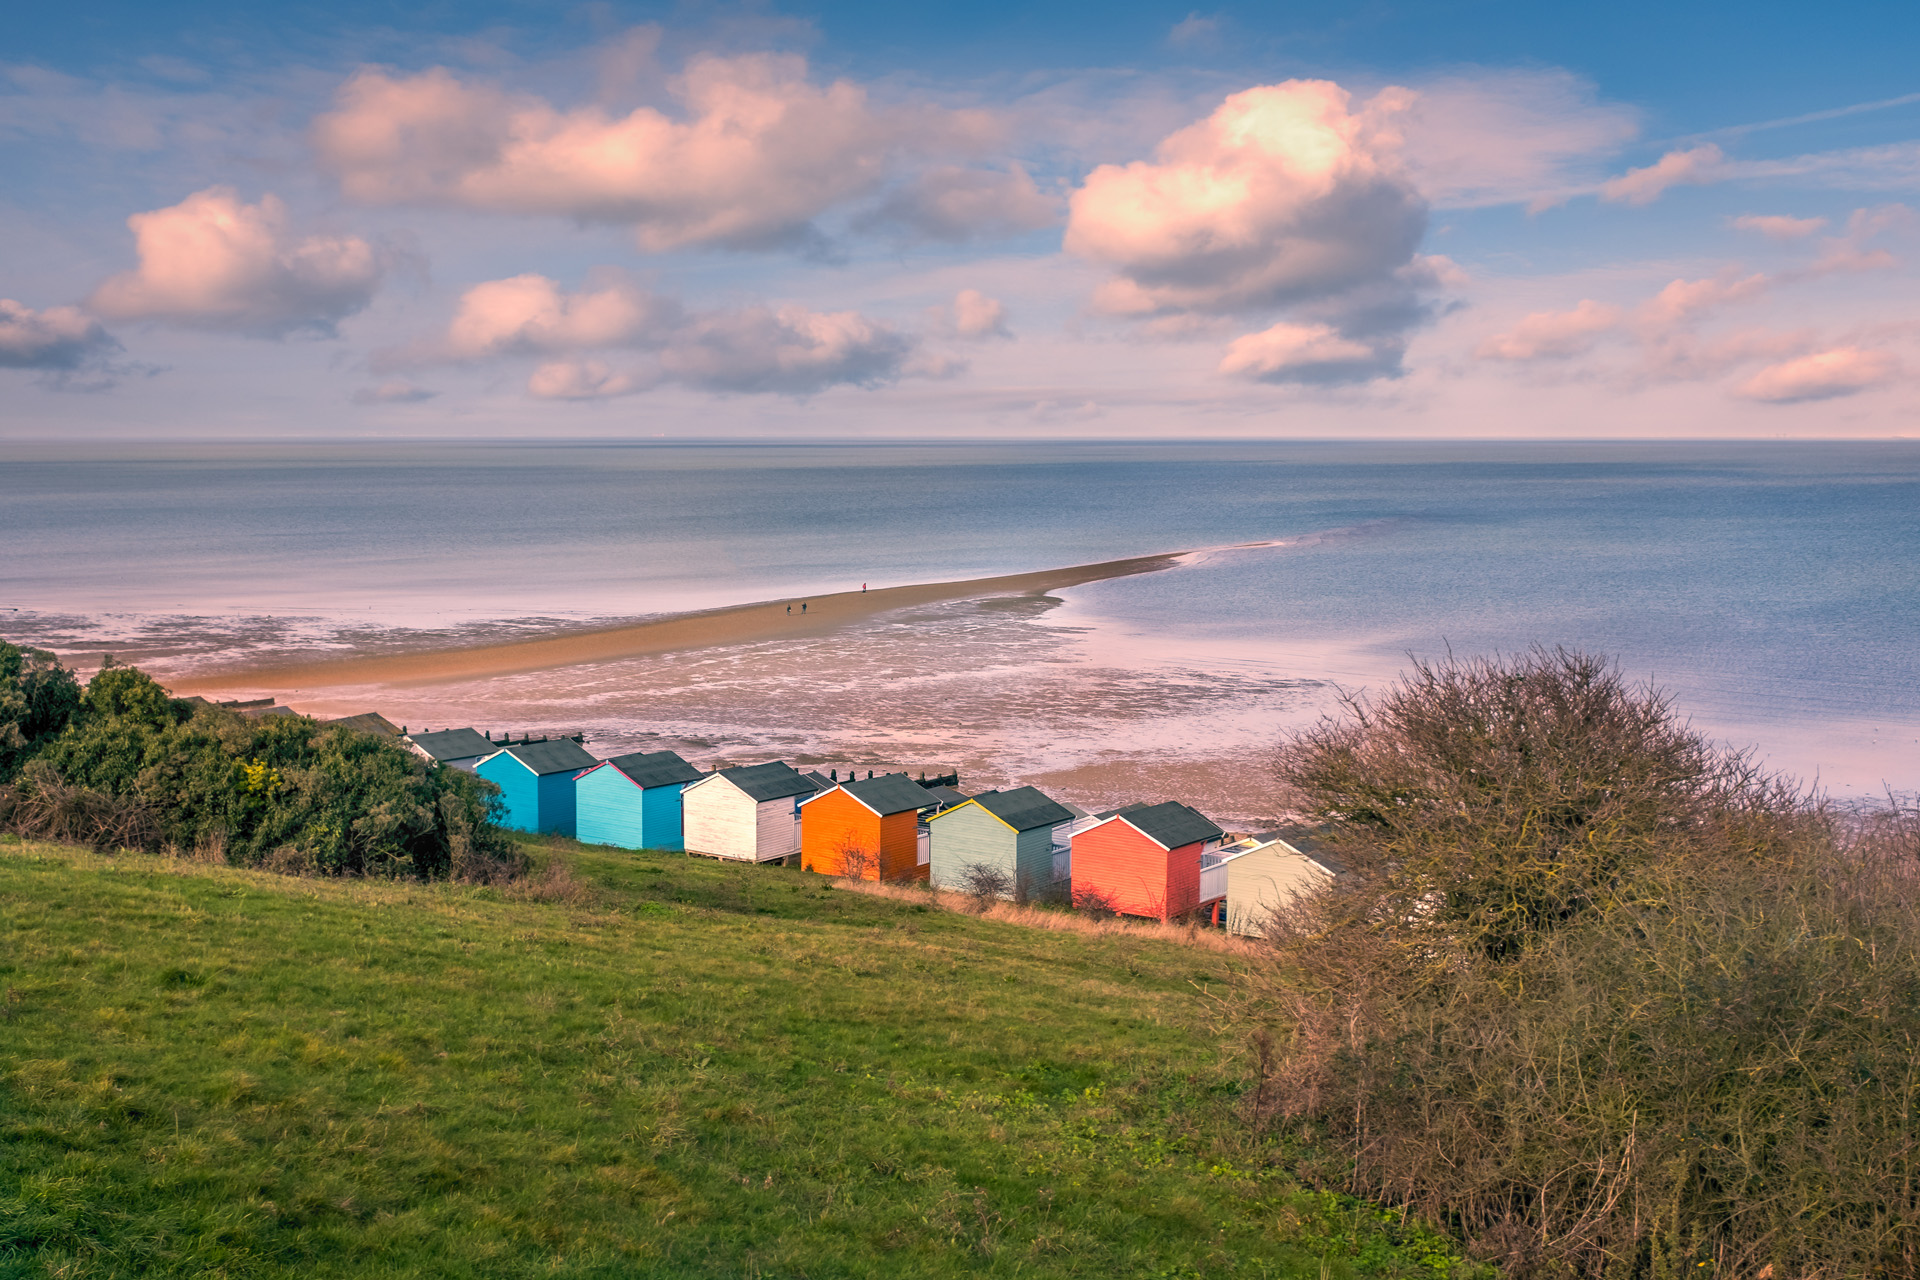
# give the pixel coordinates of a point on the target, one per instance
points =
(706, 628)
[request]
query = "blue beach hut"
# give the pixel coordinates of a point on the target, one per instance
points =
(536, 783)
(633, 801)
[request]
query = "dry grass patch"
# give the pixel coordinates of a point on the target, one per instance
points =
(1183, 933)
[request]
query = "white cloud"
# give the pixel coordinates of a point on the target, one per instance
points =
(393, 391)
(1194, 29)
(580, 380)
(954, 204)
(1284, 194)
(1682, 301)
(1552, 335)
(1779, 227)
(58, 339)
(1823, 375)
(975, 315)
(1306, 354)
(1676, 168)
(756, 152)
(214, 262)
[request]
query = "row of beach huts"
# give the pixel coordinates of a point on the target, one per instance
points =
(1161, 861)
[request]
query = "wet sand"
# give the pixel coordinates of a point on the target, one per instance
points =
(734, 624)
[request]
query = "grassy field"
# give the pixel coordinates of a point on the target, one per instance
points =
(669, 1068)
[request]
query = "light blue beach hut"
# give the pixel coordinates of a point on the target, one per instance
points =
(633, 801)
(1008, 834)
(536, 783)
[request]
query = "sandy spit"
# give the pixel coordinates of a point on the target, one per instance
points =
(733, 624)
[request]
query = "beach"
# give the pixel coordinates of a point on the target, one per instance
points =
(790, 618)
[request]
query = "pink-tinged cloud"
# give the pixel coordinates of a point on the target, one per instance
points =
(214, 262)
(1284, 194)
(1304, 353)
(1683, 301)
(580, 380)
(975, 315)
(531, 313)
(1528, 137)
(58, 339)
(788, 350)
(955, 204)
(1553, 335)
(1823, 375)
(1676, 168)
(1778, 226)
(755, 153)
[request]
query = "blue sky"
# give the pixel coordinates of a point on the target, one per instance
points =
(1324, 220)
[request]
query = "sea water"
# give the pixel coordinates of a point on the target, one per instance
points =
(1771, 588)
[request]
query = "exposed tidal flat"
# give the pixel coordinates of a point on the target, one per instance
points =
(1769, 586)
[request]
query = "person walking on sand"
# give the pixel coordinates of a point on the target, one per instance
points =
(789, 608)
(803, 606)
(863, 588)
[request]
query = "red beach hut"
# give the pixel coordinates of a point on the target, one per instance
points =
(1144, 860)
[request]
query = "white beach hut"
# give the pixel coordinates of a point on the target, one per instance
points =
(1266, 871)
(749, 814)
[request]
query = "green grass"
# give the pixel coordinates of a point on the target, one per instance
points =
(705, 1070)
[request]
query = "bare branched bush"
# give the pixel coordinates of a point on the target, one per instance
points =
(985, 884)
(41, 805)
(1093, 902)
(1608, 1000)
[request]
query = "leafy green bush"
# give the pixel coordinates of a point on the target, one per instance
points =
(38, 697)
(135, 767)
(1607, 1000)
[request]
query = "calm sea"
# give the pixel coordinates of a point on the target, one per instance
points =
(1771, 587)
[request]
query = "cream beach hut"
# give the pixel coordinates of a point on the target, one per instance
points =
(748, 814)
(1270, 870)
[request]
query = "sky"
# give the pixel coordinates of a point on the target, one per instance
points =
(1468, 219)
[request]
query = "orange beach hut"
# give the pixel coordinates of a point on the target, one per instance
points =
(867, 828)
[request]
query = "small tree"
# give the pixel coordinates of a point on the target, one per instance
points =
(38, 697)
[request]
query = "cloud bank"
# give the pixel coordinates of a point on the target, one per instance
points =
(786, 350)
(56, 340)
(755, 152)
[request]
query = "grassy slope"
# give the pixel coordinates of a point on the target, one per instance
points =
(706, 1070)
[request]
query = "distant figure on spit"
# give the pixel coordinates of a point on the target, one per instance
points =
(803, 606)
(789, 608)
(863, 588)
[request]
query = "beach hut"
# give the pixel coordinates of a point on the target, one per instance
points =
(868, 828)
(750, 813)
(1003, 835)
(536, 783)
(455, 748)
(1144, 860)
(1270, 870)
(633, 801)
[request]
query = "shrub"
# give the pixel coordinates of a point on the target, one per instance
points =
(38, 697)
(134, 766)
(1606, 999)
(985, 884)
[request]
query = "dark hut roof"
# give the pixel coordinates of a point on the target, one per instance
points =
(947, 797)
(556, 755)
(655, 768)
(1024, 808)
(453, 744)
(889, 793)
(1172, 824)
(769, 781)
